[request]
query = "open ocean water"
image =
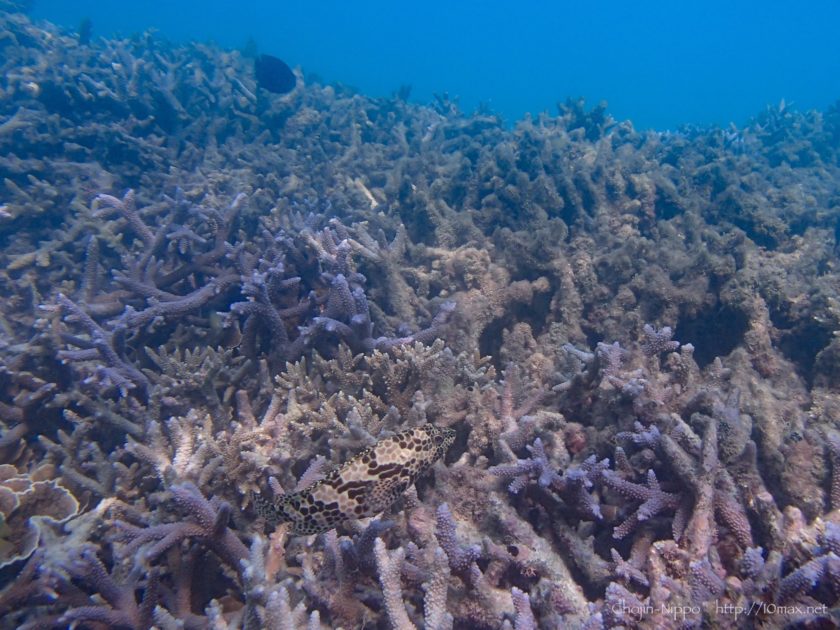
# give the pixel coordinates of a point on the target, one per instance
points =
(660, 64)
(470, 315)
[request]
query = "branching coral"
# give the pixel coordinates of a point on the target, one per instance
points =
(210, 290)
(207, 524)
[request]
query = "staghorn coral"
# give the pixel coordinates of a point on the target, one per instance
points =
(435, 615)
(210, 290)
(207, 525)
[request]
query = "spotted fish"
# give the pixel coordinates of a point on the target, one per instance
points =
(364, 486)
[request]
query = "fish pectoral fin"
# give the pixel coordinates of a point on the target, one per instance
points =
(382, 494)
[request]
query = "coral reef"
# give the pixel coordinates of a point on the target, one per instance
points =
(631, 341)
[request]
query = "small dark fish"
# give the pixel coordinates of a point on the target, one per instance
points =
(274, 75)
(85, 31)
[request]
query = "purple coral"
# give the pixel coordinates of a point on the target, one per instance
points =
(658, 341)
(752, 561)
(627, 571)
(524, 617)
(641, 436)
(100, 344)
(653, 500)
(537, 467)
(704, 581)
(460, 557)
(207, 524)
(256, 295)
(572, 486)
(120, 609)
(803, 579)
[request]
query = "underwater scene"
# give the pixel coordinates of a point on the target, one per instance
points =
(280, 353)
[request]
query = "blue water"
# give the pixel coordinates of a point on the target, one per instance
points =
(660, 64)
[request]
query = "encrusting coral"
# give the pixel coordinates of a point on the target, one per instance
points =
(29, 502)
(629, 341)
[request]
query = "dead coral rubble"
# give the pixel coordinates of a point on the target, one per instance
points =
(210, 290)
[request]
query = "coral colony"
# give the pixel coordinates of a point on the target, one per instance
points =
(566, 374)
